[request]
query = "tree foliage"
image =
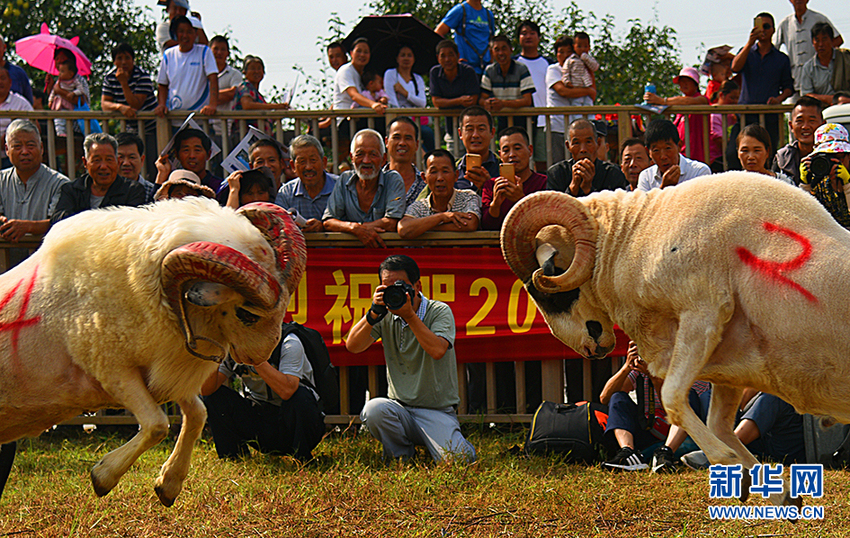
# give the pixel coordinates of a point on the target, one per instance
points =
(100, 24)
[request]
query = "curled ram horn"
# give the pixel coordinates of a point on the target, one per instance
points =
(519, 239)
(212, 262)
(280, 230)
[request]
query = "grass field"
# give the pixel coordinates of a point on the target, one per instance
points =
(349, 491)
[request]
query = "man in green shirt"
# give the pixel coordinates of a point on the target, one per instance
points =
(418, 339)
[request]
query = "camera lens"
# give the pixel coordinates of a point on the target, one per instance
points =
(820, 165)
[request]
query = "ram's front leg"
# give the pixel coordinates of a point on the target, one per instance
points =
(134, 395)
(696, 339)
(176, 468)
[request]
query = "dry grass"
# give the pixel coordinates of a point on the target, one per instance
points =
(350, 491)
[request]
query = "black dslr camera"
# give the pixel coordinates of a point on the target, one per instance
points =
(819, 166)
(394, 295)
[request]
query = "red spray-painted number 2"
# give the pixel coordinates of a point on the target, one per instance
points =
(775, 270)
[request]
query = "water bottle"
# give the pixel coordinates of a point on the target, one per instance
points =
(649, 88)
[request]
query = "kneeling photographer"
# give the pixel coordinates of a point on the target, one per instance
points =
(418, 339)
(825, 172)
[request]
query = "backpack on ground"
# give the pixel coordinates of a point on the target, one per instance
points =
(573, 430)
(327, 382)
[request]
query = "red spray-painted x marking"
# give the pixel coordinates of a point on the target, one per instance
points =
(775, 270)
(20, 322)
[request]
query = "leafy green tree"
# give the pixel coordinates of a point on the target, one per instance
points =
(100, 24)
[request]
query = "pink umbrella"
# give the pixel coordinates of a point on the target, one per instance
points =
(37, 50)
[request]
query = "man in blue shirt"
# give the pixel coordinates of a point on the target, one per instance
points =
(367, 200)
(765, 74)
(20, 81)
(474, 26)
(308, 193)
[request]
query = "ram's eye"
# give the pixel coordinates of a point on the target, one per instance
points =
(246, 317)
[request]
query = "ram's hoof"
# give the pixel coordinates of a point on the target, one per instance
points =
(165, 499)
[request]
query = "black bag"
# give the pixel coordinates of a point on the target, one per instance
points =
(576, 431)
(327, 383)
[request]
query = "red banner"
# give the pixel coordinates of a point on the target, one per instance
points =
(495, 318)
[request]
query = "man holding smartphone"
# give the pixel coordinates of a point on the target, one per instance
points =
(516, 178)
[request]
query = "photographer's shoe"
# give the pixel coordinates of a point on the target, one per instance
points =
(662, 460)
(627, 459)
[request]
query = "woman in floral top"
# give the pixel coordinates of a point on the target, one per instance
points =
(248, 96)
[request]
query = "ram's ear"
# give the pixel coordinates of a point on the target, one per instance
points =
(210, 294)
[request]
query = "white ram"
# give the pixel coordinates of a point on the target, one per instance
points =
(133, 307)
(737, 279)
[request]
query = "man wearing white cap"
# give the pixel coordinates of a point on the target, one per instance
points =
(825, 172)
(165, 38)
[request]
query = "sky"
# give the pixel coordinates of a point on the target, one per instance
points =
(284, 32)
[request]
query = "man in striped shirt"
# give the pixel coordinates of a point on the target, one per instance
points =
(505, 83)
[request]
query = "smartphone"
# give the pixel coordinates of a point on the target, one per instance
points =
(472, 160)
(757, 23)
(507, 171)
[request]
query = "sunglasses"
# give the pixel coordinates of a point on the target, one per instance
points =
(766, 26)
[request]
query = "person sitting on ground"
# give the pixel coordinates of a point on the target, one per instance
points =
(769, 427)
(418, 340)
(806, 117)
(29, 190)
(402, 145)
(277, 413)
(688, 81)
(754, 152)
(476, 131)
(637, 426)
(131, 160)
(671, 167)
(583, 172)
(505, 83)
(634, 159)
(182, 183)
(248, 187)
(833, 143)
(307, 195)
(726, 94)
(367, 200)
(445, 209)
(500, 194)
(100, 186)
(192, 149)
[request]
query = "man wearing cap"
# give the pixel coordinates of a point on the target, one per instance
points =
(832, 191)
(765, 75)
(584, 173)
(100, 186)
(165, 36)
(188, 75)
(794, 31)
(182, 183)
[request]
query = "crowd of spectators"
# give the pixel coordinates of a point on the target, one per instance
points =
(460, 189)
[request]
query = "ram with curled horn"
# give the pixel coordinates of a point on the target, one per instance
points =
(133, 307)
(737, 279)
